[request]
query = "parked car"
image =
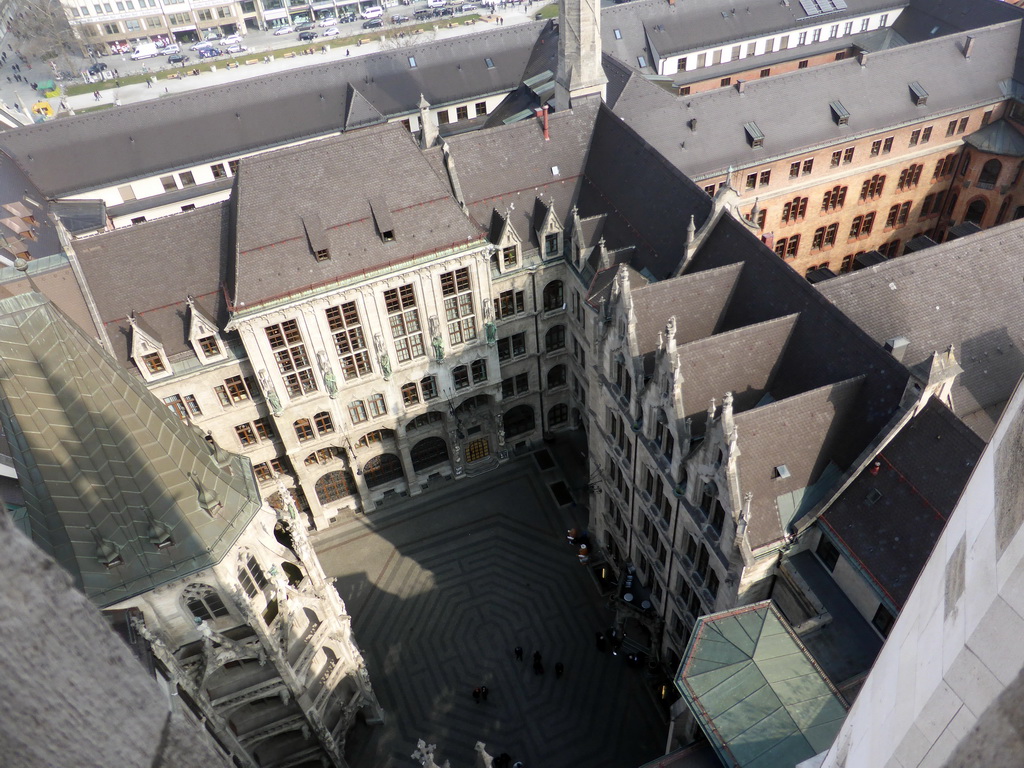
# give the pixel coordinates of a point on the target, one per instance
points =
(305, 26)
(211, 36)
(283, 30)
(467, 7)
(96, 68)
(177, 58)
(209, 53)
(202, 45)
(372, 12)
(167, 50)
(307, 35)
(399, 19)
(346, 18)
(236, 48)
(424, 13)
(373, 23)
(231, 40)
(327, 21)
(332, 32)
(436, 3)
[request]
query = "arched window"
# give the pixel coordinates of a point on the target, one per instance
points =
(558, 414)
(324, 423)
(424, 420)
(519, 420)
(555, 338)
(250, 576)
(382, 469)
(203, 602)
(410, 394)
(303, 430)
(428, 452)
(553, 296)
(460, 377)
(976, 211)
(377, 436)
(990, 174)
(334, 485)
(557, 377)
(323, 456)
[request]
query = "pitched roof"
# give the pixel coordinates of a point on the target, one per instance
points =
(792, 109)
(697, 301)
(103, 462)
(888, 520)
(965, 292)
(138, 140)
(132, 269)
(759, 696)
(339, 177)
(999, 138)
(805, 433)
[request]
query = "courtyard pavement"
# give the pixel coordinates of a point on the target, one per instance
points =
(442, 587)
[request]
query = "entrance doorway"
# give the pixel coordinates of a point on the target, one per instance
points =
(478, 449)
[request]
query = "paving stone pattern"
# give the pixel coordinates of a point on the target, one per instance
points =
(442, 589)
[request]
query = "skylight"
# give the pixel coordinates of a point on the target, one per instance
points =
(489, 63)
(412, 62)
(618, 34)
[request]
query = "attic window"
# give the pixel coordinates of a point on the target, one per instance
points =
(873, 496)
(382, 218)
(618, 34)
(840, 113)
(323, 254)
(641, 61)
(315, 236)
(412, 62)
(554, 170)
(489, 63)
(154, 363)
(781, 472)
(754, 135)
(918, 94)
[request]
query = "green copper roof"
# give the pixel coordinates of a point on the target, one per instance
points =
(105, 467)
(755, 690)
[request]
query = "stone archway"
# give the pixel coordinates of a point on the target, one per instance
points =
(428, 453)
(519, 421)
(382, 469)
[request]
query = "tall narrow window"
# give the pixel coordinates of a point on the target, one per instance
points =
(458, 305)
(291, 357)
(349, 340)
(405, 322)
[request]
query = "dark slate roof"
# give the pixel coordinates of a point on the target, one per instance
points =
(339, 178)
(506, 168)
(743, 362)
(792, 109)
(927, 19)
(132, 269)
(825, 348)
(920, 476)
(692, 24)
(138, 140)
(999, 138)
(966, 292)
(648, 201)
(698, 303)
(805, 433)
(100, 457)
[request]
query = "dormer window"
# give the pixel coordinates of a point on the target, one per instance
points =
(322, 254)
(510, 257)
(551, 244)
(754, 135)
(382, 218)
(154, 363)
(209, 346)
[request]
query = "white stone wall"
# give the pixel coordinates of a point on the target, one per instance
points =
(956, 644)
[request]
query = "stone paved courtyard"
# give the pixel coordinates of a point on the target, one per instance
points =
(441, 589)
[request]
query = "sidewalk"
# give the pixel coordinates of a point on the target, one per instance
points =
(138, 92)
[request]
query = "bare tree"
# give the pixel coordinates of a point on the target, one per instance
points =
(395, 39)
(42, 31)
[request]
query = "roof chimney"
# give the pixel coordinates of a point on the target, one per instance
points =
(740, 85)
(862, 57)
(897, 346)
(968, 46)
(542, 114)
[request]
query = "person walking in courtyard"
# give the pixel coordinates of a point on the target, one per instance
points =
(559, 669)
(476, 695)
(483, 693)
(518, 652)
(538, 667)
(537, 657)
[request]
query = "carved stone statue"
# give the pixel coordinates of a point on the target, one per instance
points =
(382, 356)
(330, 380)
(270, 393)
(436, 341)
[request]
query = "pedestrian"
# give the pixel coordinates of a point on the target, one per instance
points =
(537, 657)
(559, 669)
(476, 695)
(347, 52)
(149, 82)
(117, 83)
(518, 649)
(96, 94)
(115, 73)
(483, 693)
(538, 668)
